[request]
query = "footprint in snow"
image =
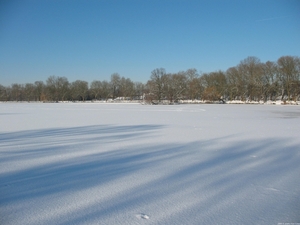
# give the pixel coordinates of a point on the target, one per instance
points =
(142, 216)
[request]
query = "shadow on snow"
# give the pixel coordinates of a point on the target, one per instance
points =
(204, 182)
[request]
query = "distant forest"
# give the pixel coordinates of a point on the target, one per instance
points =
(250, 80)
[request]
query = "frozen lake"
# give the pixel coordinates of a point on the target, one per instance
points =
(91, 163)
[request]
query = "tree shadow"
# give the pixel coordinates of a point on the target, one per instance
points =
(103, 175)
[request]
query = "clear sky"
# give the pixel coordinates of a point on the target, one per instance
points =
(91, 39)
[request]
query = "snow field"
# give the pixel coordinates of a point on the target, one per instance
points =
(139, 164)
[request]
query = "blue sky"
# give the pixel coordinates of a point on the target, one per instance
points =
(89, 40)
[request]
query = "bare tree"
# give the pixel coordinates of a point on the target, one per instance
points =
(250, 70)
(250, 79)
(289, 72)
(4, 93)
(174, 86)
(79, 90)
(270, 80)
(234, 83)
(52, 89)
(168, 90)
(115, 80)
(126, 88)
(17, 92)
(106, 90)
(64, 87)
(57, 88)
(215, 85)
(96, 88)
(139, 90)
(156, 84)
(193, 86)
(29, 92)
(39, 91)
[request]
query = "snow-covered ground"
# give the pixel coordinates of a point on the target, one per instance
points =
(140, 164)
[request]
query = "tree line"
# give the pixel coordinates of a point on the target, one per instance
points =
(250, 80)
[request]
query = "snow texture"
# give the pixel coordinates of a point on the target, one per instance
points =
(138, 164)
